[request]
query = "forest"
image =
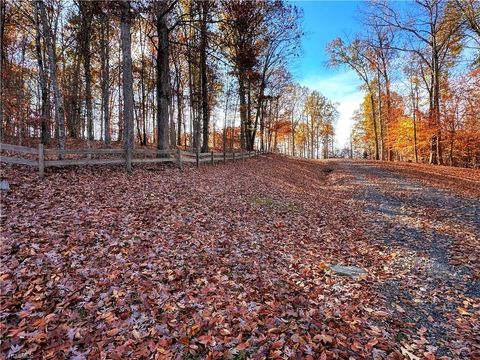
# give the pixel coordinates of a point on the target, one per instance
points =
(206, 75)
(193, 74)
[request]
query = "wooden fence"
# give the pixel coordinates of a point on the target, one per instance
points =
(41, 158)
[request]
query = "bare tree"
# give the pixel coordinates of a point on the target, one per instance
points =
(163, 72)
(45, 106)
(85, 34)
(52, 61)
(127, 78)
(204, 9)
(105, 72)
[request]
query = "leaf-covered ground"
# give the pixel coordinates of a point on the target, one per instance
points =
(231, 261)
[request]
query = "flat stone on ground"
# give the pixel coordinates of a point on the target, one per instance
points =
(347, 270)
(4, 185)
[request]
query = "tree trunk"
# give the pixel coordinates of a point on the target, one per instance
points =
(293, 135)
(120, 136)
(45, 107)
(203, 71)
(249, 131)
(179, 94)
(415, 106)
(312, 136)
(163, 83)
(243, 107)
(73, 103)
(141, 132)
(105, 70)
(261, 94)
(436, 156)
(262, 125)
(374, 119)
(179, 116)
(52, 60)
(85, 36)
(380, 117)
(227, 95)
(389, 114)
(172, 135)
(438, 135)
(127, 79)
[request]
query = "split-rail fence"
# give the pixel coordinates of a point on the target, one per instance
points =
(42, 157)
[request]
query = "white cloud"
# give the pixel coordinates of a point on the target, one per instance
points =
(342, 88)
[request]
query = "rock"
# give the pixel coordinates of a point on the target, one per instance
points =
(4, 185)
(347, 270)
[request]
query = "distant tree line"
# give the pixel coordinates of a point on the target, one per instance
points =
(419, 63)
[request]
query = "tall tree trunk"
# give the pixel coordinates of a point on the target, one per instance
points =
(436, 156)
(414, 94)
(380, 116)
(179, 94)
(243, 107)
(73, 103)
(248, 125)
(172, 135)
(312, 136)
(261, 93)
(52, 60)
(142, 132)
(436, 100)
(192, 115)
(120, 136)
(45, 107)
(389, 116)
(179, 114)
(85, 35)
(125, 26)
(232, 123)
(105, 70)
(374, 119)
(293, 134)
(163, 83)
(204, 78)
(227, 95)
(262, 126)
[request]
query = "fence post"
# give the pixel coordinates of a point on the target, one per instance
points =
(241, 153)
(179, 152)
(212, 158)
(128, 160)
(41, 160)
(197, 155)
(224, 156)
(233, 154)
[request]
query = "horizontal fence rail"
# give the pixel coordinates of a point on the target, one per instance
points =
(107, 156)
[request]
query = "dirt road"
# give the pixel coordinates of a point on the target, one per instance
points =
(435, 236)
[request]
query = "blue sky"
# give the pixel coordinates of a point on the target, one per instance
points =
(324, 21)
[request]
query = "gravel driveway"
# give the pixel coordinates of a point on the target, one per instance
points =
(422, 226)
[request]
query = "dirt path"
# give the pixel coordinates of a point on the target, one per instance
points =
(426, 229)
